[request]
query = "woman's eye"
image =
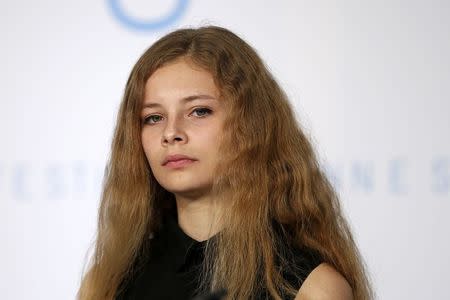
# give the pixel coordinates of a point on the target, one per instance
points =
(201, 112)
(152, 119)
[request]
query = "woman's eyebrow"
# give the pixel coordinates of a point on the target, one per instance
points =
(184, 99)
(195, 97)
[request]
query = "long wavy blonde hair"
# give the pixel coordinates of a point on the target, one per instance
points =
(269, 174)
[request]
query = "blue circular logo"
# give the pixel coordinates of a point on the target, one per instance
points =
(143, 25)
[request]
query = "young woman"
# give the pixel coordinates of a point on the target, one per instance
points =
(212, 185)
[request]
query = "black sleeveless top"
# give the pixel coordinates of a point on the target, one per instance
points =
(172, 267)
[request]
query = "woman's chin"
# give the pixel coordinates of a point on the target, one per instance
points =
(188, 191)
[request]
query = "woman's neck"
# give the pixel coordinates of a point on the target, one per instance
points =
(198, 218)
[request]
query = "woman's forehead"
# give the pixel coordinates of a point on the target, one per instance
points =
(180, 80)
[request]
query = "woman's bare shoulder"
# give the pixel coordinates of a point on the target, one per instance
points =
(324, 283)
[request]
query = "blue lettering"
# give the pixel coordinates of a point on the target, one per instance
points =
(55, 182)
(20, 189)
(362, 176)
(334, 174)
(440, 176)
(396, 174)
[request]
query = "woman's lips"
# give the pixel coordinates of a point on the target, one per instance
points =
(176, 164)
(177, 160)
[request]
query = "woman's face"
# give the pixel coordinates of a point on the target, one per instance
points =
(183, 121)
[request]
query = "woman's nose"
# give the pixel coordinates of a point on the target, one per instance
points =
(174, 132)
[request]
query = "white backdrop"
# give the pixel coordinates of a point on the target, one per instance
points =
(369, 81)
